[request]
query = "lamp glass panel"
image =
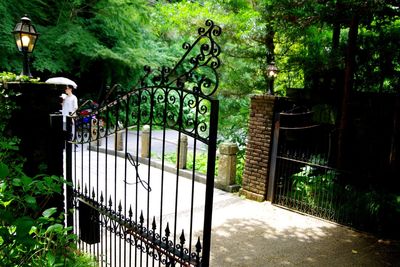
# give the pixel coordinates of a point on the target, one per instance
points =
(18, 27)
(26, 27)
(272, 73)
(26, 40)
(32, 43)
(17, 37)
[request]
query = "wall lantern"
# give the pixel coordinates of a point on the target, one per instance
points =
(272, 73)
(25, 37)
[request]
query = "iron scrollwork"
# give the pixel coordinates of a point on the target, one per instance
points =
(202, 61)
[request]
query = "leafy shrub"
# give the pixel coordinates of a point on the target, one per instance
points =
(371, 209)
(200, 164)
(321, 190)
(28, 235)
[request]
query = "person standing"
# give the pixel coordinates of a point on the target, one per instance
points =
(69, 105)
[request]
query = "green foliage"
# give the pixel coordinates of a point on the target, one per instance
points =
(379, 58)
(77, 37)
(234, 115)
(8, 144)
(313, 187)
(372, 209)
(320, 190)
(28, 236)
(12, 77)
(178, 22)
(109, 41)
(233, 127)
(200, 164)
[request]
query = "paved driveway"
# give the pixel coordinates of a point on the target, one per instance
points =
(157, 138)
(247, 233)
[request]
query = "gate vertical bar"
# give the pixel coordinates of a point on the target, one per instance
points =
(68, 175)
(212, 150)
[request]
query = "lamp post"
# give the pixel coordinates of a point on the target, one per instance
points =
(25, 38)
(272, 73)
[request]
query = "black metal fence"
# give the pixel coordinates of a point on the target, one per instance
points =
(124, 211)
(304, 180)
(304, 167)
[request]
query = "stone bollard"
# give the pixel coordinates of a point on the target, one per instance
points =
(145, 140)
(183, 150)
(119, 145)
(227, 167)
(119, 137)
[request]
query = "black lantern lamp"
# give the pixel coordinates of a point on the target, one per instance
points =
(272, 73)
(25, 37)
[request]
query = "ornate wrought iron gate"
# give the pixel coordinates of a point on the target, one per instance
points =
(124, 211)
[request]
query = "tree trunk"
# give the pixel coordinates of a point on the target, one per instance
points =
(336, 27)
(335, 37)
(394, 157)
(336, 82)
(270, 54)
(348, 86)
(270, 45)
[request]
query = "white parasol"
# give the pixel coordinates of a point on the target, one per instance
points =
(62, 80)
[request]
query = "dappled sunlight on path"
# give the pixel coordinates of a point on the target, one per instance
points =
(259, 234)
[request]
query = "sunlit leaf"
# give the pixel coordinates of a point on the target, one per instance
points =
(47, 213)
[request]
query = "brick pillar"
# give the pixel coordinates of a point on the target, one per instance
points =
(256, 168)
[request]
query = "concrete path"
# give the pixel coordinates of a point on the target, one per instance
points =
(247, 233)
